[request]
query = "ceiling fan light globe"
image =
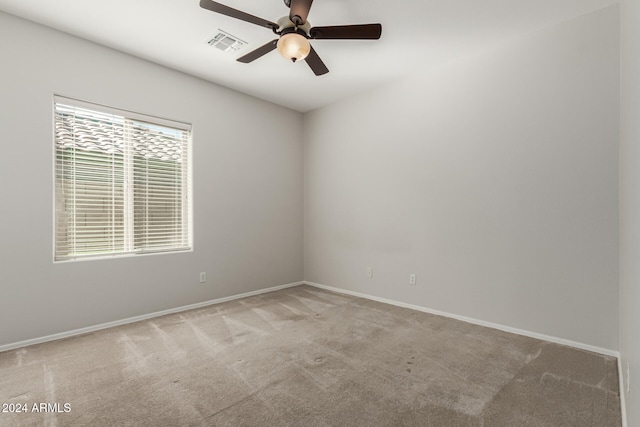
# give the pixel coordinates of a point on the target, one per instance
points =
(294, 47)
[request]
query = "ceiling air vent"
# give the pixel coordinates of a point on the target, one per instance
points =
(226, 42)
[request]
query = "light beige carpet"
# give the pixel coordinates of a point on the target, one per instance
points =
(307, 357)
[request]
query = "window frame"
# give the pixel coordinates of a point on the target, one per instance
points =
(128, 210)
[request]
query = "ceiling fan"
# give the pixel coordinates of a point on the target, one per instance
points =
(294, 32)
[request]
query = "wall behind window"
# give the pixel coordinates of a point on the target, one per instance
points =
(494, 179)
(247, 184)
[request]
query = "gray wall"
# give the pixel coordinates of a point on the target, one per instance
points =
(630, 203)
(494, 179)
(247, 188)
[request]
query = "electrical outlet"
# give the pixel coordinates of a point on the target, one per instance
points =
(370, 272)
(203, 277)
(412, 279)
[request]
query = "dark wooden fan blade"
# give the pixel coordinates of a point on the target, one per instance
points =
(234, 13)
(316, 64)
(299, 11)
(261, 51)
(347, 32)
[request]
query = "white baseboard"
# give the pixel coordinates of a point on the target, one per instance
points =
(623, 404)
(81, 331)
(516, 331)
(94, 328)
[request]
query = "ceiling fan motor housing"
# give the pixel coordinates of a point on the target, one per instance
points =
(284, 24)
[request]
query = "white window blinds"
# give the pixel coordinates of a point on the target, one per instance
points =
(122, 183)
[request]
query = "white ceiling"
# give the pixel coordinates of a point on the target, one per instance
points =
(416, 34)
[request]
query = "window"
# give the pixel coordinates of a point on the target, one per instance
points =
(122, 182)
